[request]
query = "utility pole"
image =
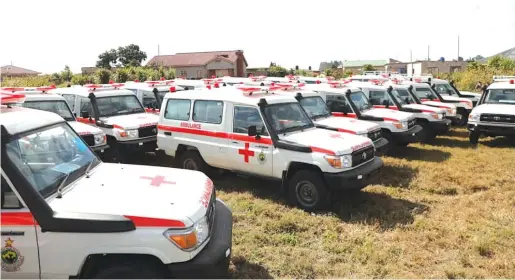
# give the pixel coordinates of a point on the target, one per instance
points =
(458, 59)
(428, 59)
(158, 49)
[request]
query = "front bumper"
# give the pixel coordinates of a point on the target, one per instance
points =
(441, 127)
(148, 144)
(100, 149)
(213, 260)
(382, 146)
(492, 130)
(357, 178)
(410, 136)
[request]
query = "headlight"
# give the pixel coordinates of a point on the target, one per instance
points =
(100, 139)
(401, 125)
(191, 238)
(474, 117)
(131, 133)
(437, 116)
(344, 161)
(451, 111)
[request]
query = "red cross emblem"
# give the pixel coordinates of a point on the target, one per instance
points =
(246, 152)
(157, 180)
(335, 135)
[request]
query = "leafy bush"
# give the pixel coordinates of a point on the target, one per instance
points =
(103, 76)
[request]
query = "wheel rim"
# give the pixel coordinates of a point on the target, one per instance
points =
(189, 164)
(306, 193)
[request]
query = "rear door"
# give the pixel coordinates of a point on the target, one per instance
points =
(20, 258)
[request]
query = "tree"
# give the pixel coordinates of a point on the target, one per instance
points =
(334, 64)
(66, 74)
(277, 71)
(131, 55)
(296, 67)
(309, 68)
(107, 59)
(368, 67)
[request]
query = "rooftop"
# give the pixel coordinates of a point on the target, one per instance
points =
(15, 70)
(195, 58)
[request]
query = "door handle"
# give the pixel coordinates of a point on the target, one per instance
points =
(13, 233)
(168, 133)
(262, 147)
(234, 142)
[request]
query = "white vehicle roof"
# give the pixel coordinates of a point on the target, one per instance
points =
(43, 97)
(18, 119)
(150, 85)
(232, 94)
(340, 89)
(503, 85)
(98, 90)
(193, 83)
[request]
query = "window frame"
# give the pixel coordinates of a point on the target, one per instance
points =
(175, 99)
(72, 105)
(5, 183)
(260, 116)
(207, 100)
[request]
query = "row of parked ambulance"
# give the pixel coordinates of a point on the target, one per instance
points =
(316, 136)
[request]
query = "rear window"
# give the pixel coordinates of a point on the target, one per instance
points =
(178, 109)
(208, 111)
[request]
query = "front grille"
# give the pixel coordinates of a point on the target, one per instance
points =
(147, 131)
(89, 139)
(362, 155)
(375, 135)
(412, 123)
(210, 212)
(497, 118)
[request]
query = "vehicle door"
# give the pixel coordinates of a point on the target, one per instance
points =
(20, 258)
(84, 111)
(246, 153)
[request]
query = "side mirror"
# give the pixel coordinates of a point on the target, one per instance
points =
(252, 131)
(406, 100)
(386, 103)
(84, 114)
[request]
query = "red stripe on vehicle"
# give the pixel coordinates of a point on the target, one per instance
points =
(17, 219)
(384, 107)
(85, 120)
(154, 222)
(347, 131)
(339, 114)
(390, 119)
(323, 151)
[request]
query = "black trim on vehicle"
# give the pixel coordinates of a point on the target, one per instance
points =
(442, 126)
(492, 130)
(356, 178)
(52, 221)
(358, 112)
(137, 141)
(382, 145)
(460, 94)
(101, 147)
(407, 136)
(399, 105)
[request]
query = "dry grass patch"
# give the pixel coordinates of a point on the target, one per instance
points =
(444, 210)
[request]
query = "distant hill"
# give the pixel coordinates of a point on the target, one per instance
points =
(507, 53)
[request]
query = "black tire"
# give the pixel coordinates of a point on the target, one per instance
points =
(464, 117)
(392, 143)
(192, 160)
(308, 191)
(474, 137)
(130, 269)
(429, 134)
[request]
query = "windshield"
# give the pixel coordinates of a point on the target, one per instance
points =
(119, 105)
(500, 96)
(50, 157)
(55, 106)
(425, 93)
(445, 89)
(404, 95)
(399, 98)
(287, 117)
(149, 99)
(359, 99)
(315, 107)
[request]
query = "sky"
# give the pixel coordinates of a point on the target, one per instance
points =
(46, 35)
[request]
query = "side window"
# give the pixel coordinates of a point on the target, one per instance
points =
(379, 97)
(9, 198)
(149, 100)
(245, 117)
(338, 103)
(70, 99)
(208, 111)
(85, 105)
(178, 109)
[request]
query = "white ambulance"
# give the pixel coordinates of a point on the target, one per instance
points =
(313, 103)
(151, 93)
(399, 128)
(129, 128)
(194, 84)
(386, 95)
(38, 98)
(495, 113)
(424, 91)
(257, 133)
(66, 214)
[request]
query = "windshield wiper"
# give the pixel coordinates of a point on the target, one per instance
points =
(61, 186)
(89, 167)
(314, 117)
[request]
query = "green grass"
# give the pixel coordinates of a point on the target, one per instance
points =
(445, 210)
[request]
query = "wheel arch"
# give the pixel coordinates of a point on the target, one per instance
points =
(94, 262)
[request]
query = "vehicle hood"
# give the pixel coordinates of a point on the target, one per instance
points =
(425, 108)
(83, 129)
(328, 141)
(389, 114)
(439, 104)
(505, 109)
(120, 189)
(454, 98)
(132, 121)
(349, 125)
(476, 95)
